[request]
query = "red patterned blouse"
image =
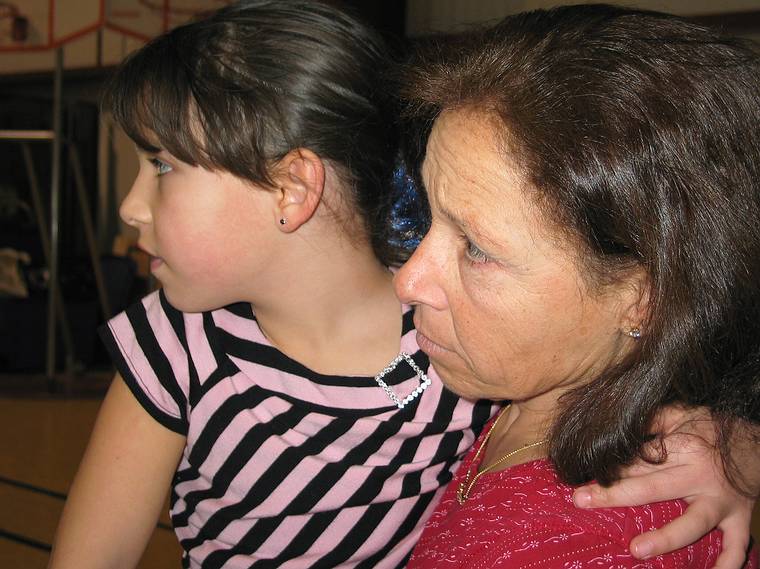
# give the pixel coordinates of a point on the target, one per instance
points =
(524, 517)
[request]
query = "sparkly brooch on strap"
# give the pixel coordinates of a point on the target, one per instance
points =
(424, 380)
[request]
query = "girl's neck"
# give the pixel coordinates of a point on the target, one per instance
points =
(336, 311)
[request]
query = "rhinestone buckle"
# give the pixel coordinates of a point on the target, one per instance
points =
(423, 385)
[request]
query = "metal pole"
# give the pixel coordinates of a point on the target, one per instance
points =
(55, 202)
(89, 230)
(34, 188)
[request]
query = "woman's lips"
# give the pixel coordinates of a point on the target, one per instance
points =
(429, 346)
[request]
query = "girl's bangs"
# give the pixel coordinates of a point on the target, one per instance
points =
(149, 97)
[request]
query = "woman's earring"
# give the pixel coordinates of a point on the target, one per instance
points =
(283, 221)
(634, 332)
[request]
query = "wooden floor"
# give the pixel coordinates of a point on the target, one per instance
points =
(42, 439)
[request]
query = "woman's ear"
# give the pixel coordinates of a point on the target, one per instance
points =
(635, 313)
(300, 181)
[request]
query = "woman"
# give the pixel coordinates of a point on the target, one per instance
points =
(594, 254)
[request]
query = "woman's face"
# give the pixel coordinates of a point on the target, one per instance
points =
(502, 309)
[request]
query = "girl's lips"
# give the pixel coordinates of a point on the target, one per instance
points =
(155, 263)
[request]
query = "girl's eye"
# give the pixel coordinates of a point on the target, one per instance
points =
(474, 253)
(160, 166)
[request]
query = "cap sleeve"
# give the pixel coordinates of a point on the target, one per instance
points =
(147, 345)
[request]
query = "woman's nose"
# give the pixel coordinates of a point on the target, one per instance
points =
(419, 280)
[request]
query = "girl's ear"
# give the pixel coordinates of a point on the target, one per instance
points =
(300, 181)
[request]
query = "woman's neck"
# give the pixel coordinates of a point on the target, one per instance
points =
(524, 423)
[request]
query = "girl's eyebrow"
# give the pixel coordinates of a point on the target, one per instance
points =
(148, 148)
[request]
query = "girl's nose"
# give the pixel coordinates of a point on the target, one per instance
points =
(135, 209)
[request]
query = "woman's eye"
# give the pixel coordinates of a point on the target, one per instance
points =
(160, 166)
(474, 253)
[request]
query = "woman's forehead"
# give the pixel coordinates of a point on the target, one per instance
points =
(473, 181)
(465, 157)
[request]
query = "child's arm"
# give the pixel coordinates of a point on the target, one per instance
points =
(121, 485)
(691, 472)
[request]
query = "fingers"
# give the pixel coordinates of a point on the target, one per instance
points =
(696, 521)
(651, 487)
(736, 539)
(732, 556)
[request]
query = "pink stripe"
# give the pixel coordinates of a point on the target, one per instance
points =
(169, 344)
(198, 344)
(346, 396)
(230, 439)
(239, 326)
(409, 342)
(138, 364)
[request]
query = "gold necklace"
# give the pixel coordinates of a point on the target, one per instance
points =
(465, 486)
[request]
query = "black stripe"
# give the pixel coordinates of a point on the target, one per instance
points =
(334, 411)
(175, 317)
(235, 462)
(25, 540)
(33, 488)
(226, 370)
(446, 453)
(482, 411)
(241, 309)
(313, 492)
(359, 533)
(311, 530)
(407, 322)
(213, 429)
(175, 424)
(332, 473)
(270, 479)
(177, 321)
(159, 363)
(221, 419)
(272, 357)
(362, 496)
(316, 526)
(411, 485)
(224, 367)
(405, 528)
(212, 332)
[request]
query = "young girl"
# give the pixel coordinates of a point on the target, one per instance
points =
(274, 382)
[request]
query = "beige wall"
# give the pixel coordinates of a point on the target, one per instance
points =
(78, 54)
(425, 16)
(123, 167)
(73, 16)
(422, 16)
(117, 160)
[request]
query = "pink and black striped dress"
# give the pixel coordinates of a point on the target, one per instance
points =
(283, 466)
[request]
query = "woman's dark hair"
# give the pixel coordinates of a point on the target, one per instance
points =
(239, 90)
(639, 134)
